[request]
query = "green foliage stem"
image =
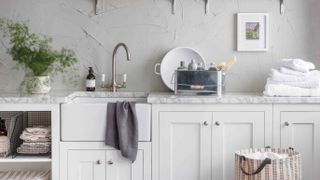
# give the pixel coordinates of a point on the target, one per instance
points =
(33, 52)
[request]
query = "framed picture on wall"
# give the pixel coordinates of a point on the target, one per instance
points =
(253, 31)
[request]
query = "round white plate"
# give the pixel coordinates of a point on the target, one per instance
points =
(171, 62)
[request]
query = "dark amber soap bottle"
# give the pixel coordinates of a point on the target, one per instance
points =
(91, 80)
(3, 129)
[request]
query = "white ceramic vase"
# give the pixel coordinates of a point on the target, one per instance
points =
(41, 85)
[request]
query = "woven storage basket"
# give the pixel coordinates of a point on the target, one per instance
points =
(279, 169)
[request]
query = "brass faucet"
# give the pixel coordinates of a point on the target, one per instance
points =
(114, 85)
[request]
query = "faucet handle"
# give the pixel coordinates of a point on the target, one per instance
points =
(124, 77)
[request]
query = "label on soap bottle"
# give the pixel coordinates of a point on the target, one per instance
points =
(91, 83)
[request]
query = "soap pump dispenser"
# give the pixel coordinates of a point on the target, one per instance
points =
(91, 80)
(3, 130)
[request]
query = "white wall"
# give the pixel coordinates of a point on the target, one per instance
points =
(150, 30)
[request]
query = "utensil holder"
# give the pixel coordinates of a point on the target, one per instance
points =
(199, 82)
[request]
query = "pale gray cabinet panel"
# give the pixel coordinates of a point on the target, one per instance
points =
(198, 142)
(185, 145)
(86, 165)
(233, 131)
(299, 127)
(96, 161)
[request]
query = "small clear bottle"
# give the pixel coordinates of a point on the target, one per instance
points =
(200, 67)
(192, 65)
(213, 67)
(182, 66)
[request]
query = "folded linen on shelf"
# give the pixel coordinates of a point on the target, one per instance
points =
(36, 134)
(288, 71)
(33, 150)
(298, 65)
(37, 140)
(25, 175)
(39, 130)
(312, 83)
(34, 138)
(36, 145)
(278, 76)
(285, 90)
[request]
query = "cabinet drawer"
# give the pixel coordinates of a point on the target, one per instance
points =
(87, 122)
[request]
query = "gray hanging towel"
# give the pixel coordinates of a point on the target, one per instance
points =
(122, 128)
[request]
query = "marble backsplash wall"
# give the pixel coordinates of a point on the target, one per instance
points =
(150, 30)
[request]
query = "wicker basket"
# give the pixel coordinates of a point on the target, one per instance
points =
(278, 169)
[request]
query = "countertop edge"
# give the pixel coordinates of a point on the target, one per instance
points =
(154, 98)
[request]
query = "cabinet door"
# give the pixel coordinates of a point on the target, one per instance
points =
(185, 145)
(233, 131)
(301, 130)
(119, 168)
(86, 165)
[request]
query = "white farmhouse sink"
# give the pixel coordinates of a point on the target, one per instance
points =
(85, 118)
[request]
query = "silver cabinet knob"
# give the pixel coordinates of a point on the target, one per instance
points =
(287, 124)
(217, 123)
(206, 123)
(110, 162)
(99, 162)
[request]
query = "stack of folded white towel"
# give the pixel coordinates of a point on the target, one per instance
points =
(295, 77)
(36, 140)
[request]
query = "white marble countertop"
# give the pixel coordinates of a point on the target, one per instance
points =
(229, 98)
(57, 97)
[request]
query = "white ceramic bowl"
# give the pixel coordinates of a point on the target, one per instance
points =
(171, 62)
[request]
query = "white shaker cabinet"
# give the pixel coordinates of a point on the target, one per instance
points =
(95, 161)
(298, 126)
(232, 131)
(185, 145)
(119, 168)
(197, 142)
(86, 164)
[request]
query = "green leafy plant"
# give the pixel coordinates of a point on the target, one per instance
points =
(35, 53)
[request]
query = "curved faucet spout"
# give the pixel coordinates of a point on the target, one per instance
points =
(125, 48)
(114, 84)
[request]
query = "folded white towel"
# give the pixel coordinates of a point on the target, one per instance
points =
(312, 83)
(285, 90)
(298, 65)
(277, 76)
(38, 130)
(288, 71)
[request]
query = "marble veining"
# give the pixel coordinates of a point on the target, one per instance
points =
(231, 98)
(58, 97)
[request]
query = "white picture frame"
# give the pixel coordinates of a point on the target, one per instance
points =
(252, 32)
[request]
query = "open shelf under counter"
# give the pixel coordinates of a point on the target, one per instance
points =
(26, 159)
